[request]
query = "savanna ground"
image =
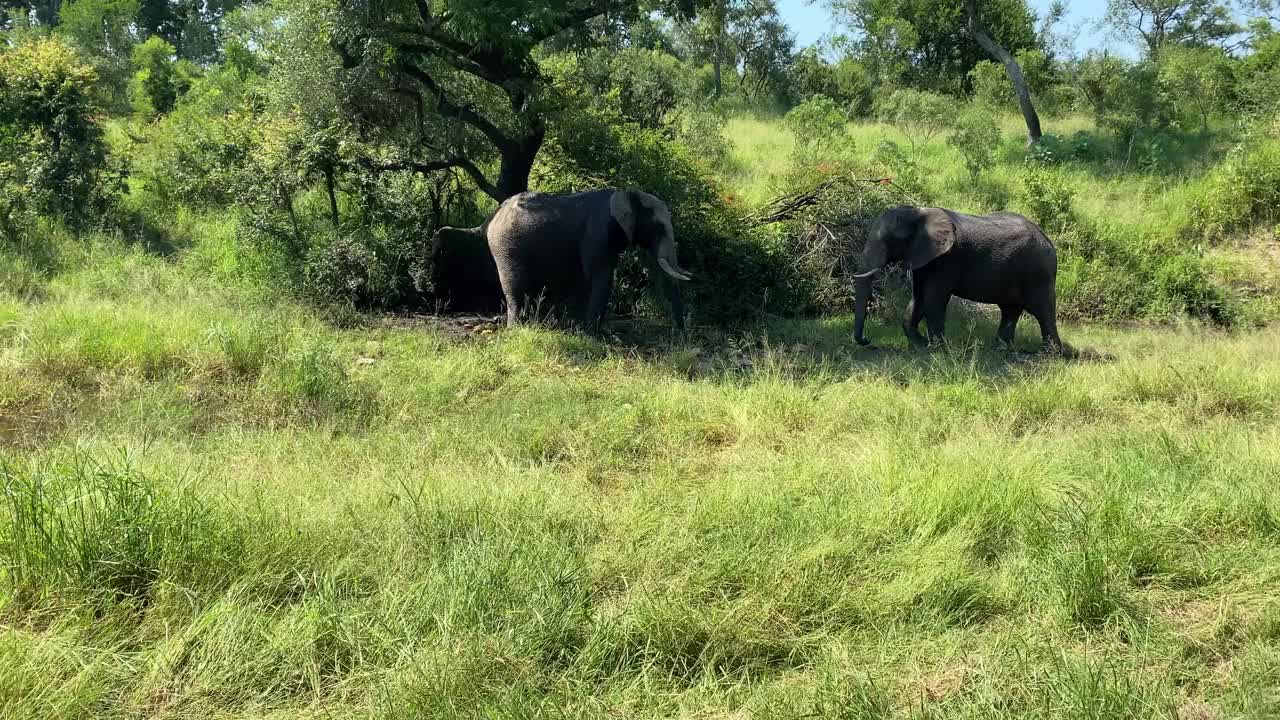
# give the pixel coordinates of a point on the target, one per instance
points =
(218, 504)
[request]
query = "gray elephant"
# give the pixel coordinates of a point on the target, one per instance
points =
(1003, 259)
(563, 249)
(464, 277)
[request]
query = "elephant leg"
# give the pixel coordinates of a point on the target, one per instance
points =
(935, 313)
(1009, 315)
(915, 313)
(676, 300)
(1046, 313)
(515, 295)
(598, 301)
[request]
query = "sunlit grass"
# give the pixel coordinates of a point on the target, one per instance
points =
(213, 507)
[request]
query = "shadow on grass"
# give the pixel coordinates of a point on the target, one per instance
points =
(823, 349)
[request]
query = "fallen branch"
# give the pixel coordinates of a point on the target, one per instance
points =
(786, 207)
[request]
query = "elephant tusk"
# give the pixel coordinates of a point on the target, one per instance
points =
(867, 274)
(673, 272)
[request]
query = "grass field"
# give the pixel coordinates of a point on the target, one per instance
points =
(216, 504)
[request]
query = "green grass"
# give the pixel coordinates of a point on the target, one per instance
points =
(216, 506)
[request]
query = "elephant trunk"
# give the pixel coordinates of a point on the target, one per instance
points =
(666, 257)
(873, 258)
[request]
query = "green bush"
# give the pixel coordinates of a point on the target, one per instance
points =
(53, 157)
(820, 131)
(1046, 198)
(1111, 271)
(156, 81)
(976, 138)
(1243, 191)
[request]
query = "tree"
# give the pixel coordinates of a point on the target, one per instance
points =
(1199, 76)
(763, 43)
(457, 69)
(53, 159)
(1157, 23)
(980, 33)
(927, 43)
(156, 84)
(107, 31)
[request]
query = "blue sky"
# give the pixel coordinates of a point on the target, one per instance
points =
(811, 20)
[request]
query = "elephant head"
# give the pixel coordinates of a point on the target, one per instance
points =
(909, 234)
(646, 221)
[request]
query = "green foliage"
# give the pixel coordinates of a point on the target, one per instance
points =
(1200, 79)
(105, 30)
(53, 157)
(820, 130)
(847, 81)
(1243, 191)
(157, 84)
(991, 84)
(648, 83)
(1046, 197)
(924, 44)
(976, 138)
(918, 115)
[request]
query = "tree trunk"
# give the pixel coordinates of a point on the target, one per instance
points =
(1011, 66)
(333, 197)
(715, 62)
(516, 165)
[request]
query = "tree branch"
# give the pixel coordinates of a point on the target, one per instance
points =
(448, 108)
(573, 19)
(429, 167)
(1011, 66)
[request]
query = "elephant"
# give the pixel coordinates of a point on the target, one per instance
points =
(464, 277)
(1002, 259)
(564, 249)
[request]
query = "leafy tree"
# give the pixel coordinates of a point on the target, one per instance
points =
(53, 160)
(107, 31)
(1157, 23)
(1200, 77)
(763, 43)
(450, 83)
(927, 43)
(918, 114)
(156, 83)
(977, 137)
(820, 130)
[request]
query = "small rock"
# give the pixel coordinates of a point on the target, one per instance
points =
(365, 361)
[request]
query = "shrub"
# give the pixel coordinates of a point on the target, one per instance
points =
(1109, 271)
(701, 132)
(976, 138)
(156, 82)
(918, 114)
(53, 158)
(819, 129)
(1244, 190)
(1046, 198)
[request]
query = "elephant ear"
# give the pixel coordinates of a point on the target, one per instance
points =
(622, 205)
(935, 236)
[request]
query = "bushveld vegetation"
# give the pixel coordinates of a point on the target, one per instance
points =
(245, 472)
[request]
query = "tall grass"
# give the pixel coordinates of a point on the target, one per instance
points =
(388, 521)
(215, 504)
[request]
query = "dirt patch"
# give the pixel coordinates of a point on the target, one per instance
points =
(942, 683)
(457, 327)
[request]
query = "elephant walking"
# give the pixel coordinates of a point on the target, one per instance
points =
(1002, 259)
(564, 249)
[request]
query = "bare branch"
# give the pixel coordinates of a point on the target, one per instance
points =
(426, 168)
(448, 108)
